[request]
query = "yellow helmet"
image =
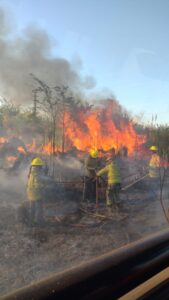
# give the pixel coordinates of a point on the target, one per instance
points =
(93, 153)
(37, 162)
(153, 148)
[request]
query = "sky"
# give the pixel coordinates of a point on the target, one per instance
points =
(123, 44)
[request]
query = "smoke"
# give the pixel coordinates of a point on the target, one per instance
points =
(31, 53)
(13, 188)
(71, 163)
(69, 168)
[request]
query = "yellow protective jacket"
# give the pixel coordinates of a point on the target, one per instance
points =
(113, 173)
(35, 185)
(154, 165)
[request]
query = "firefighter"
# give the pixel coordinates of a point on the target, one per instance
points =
(111, 170)
(153, 182)
(91, 164)
(154, 163)
(35, 192)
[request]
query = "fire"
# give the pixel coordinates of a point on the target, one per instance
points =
(21, 150)
(11, 158)
(47, 148)
(98, 130)
(102, 127)
(32, 147)
(2, 140)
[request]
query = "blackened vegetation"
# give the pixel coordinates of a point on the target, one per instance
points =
(69, 236)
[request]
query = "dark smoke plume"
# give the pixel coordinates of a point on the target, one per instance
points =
(31, 53)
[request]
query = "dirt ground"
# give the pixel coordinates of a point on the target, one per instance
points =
(30, 254)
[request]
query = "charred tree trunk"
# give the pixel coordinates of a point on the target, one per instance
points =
(63, 132)
(53, 137)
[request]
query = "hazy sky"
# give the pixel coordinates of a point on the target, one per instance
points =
(123, 44)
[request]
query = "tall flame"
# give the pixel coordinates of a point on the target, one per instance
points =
(97, 129)
(101, 127)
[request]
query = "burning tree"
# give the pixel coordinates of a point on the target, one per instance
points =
(72, 123)
(60, 121)
(55, 102)
(66, 103)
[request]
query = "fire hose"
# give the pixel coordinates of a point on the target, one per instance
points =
(96, 180)
(84, 181)
(94, 213)
(103, 217)
(131, 184)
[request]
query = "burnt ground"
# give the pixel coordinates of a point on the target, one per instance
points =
(30, 254)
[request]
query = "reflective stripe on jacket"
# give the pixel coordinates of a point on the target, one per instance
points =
(113, 173)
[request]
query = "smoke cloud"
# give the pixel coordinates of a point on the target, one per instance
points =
(31, 53)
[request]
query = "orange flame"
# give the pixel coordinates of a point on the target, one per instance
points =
(21, 150)
(32, 147)
(2, 140)
(11, 158)
(97, 128)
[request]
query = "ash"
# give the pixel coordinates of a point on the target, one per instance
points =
(70, 235)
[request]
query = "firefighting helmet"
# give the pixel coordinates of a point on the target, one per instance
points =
(37, 162)
(153, 148)
(93, 153)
